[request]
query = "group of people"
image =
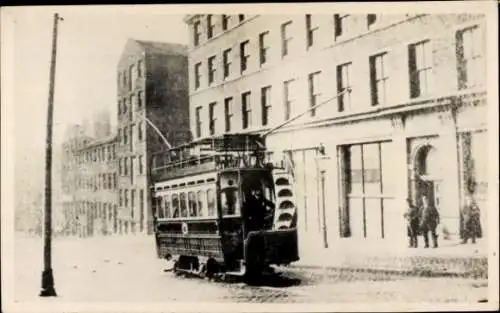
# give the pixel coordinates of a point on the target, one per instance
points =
(425, 219)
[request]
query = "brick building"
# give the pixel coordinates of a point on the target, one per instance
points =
(89, 183)
(414, 123)
(152, 88)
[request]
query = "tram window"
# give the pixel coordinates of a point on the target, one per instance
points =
(211, 202)
(230, 201)
(201, 203)
(175, 206)
(193, 211)
(161, 208)
(183, 204)
(168, 213)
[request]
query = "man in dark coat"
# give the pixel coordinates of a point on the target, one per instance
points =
(412, 216)
(429, 221)
(471, 220)
(257, 209)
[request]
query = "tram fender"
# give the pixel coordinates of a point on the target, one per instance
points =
(271, 247)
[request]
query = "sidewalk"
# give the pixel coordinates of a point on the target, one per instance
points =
(450, 259)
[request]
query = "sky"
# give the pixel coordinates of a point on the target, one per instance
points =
(90, 42)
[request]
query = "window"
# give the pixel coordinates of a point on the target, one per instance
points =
(125, 81)
(197, 75)
(125, 166)
(193, 210)
(161, 207)
(140, 68)
(201, 203)
(246, 110)
(166, 205)
(119, 107)
(288, 98)
(241, 17)
(469, 57)
(225, 21)
(182, 204)
(230, 203)
(198, 121)
(228, 113)
(210, 26)
(420, 67)
(368, 188)
(378, 79)
(311, 29)
(124, 106)
(263, 47)
(343, 83)
(140, 99)
(212, 118)
(339, 21)
(114, 180)
(132, 137)
(371, 19)
(132, 75)
(140, 134)
(266, 104)
(314, 91)
(244, 56)
(132, 159)
(285, 38)
(132, 203)
(141, 165)
(211, 202)
(196, 33)
(227, 62)
(120, 197)
(125, 198)
(211, 69)
(175, 206)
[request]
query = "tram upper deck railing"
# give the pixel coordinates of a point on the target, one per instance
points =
(210, 154)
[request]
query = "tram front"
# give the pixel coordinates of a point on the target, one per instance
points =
(263, 244)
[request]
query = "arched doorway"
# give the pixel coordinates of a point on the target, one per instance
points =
(427, 177)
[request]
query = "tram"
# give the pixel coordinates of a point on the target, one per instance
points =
(213, 205)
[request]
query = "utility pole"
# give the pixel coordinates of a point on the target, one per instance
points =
(47, 276)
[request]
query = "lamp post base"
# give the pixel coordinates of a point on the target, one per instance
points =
(48, 284)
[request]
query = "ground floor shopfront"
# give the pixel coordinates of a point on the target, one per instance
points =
(357, 188)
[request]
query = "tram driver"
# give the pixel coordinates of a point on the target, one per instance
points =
(258, 209)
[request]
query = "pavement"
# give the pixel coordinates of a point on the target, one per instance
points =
(451, 258)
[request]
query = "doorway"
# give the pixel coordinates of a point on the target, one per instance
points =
(427, 177)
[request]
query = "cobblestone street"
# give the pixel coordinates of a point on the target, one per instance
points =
(122, 269)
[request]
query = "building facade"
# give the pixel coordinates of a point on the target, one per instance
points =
(89, 182)
(401, 112)
(152, 96)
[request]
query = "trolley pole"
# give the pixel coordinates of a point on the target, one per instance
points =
(48, 289)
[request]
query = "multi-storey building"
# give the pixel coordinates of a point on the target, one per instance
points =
(152, 96)
(402, 111)
(89, 182)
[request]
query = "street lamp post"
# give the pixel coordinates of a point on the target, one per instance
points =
(48, 289)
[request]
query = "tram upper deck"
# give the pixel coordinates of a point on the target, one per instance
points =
(210, 154)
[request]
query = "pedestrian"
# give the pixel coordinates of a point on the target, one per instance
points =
(412, 216)
(471, 221)
(429, 220)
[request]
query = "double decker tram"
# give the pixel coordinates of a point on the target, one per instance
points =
(213, 202)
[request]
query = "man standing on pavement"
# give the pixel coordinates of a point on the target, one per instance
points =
(471, 220)
(429, 221)
(412, 216)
